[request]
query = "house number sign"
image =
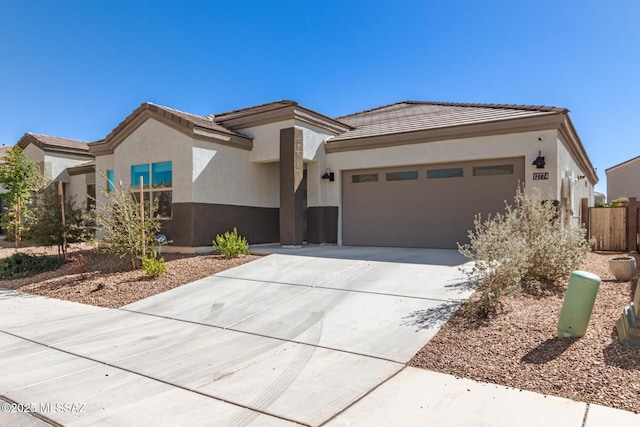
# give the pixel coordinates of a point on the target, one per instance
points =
(540, 175)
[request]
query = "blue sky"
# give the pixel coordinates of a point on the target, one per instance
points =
(77, 68)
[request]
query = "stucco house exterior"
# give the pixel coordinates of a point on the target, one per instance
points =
(623, 180)
(408, 174)
(61, 159)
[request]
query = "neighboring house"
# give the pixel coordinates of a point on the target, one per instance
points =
(599, 198)
(623, 180)
(62, 159)
(407, 174)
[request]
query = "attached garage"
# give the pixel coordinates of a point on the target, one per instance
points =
(430, 206)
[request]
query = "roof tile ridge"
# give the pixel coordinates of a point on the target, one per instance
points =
(373, 109)
(170, 109)
(287, 102)
(542, 108)
(36, 135)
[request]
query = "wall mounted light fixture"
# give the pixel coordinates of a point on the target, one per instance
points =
(329, 175)
(539, 161)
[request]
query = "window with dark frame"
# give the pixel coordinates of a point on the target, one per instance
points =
(401, 176)
(110, 180)
(493, 170)
(445, 173)
(91, 197)
(157, 180)
(364, 177)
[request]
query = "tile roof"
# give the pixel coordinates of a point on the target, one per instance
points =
(181, 118)
(201, 121)
(407, 116)
(262, 108)
(184, 121)
(44, 141)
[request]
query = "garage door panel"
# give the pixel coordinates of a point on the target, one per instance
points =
(436, 212)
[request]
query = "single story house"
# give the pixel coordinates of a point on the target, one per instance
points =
(623, 180)
(410, 174)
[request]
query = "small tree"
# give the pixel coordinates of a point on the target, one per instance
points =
(526, 245)
(123, 225)
(48, 229)
(20, 178)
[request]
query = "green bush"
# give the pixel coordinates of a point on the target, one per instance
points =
(153, 266)
(527, 246)
(22, 265)
(231, 245)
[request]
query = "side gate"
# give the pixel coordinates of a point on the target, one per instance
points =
(613, 229)
(608, 227)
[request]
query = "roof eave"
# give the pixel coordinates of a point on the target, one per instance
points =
(147, 111)
(494, 127)
(286, 112)
(81, 169)
(568, 131)
(625, 163)
(28, 138)
(552, 120)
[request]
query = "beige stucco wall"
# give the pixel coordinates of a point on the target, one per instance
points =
(525, 144)
(56, 164)
(266, 149)
(528, 144)
(203, 172)
(624, 181)
(103, 163)
(579, 188)
(155, 142)
(266, 140)
(226, 175)
(77, 188)
(315, 159)
(34, 153)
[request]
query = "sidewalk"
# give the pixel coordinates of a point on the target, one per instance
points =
(419, 397)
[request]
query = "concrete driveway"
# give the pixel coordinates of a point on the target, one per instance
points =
(293, 338)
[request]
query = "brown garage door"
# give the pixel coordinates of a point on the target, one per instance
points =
(430, 206)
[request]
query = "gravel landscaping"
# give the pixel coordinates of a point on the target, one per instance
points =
(108, 281)
(519, 348)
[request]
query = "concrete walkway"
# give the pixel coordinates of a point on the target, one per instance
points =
(307, 337)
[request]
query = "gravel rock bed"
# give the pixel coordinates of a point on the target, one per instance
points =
(108, 281)
(519, 348)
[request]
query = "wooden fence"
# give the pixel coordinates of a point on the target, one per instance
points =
(608, 228)
(614, 229)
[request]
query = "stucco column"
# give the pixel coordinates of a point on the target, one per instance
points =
(291, 197)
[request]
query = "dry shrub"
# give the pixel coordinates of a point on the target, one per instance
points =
(527, 245)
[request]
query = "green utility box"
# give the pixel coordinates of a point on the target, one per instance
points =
(578, 304)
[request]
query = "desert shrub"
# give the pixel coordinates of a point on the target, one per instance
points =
(231, 244)
(527, 245)
(22, 265)
(617, 203)
(47, 228)
(153, 266)
(124, 226)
